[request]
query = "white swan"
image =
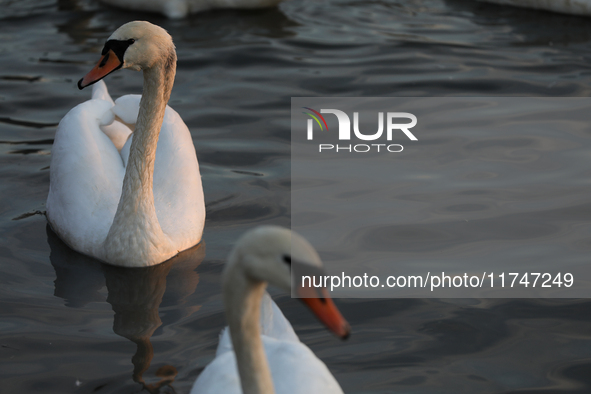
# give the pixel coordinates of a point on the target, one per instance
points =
(143, 204)
(181, 8)
(574, 7)
(275, 361)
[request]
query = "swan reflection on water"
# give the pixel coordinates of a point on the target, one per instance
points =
(135, 294)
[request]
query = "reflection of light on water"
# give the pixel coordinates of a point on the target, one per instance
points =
(135, 294)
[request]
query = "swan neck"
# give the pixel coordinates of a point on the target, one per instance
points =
(135, 221)
(140, 167)
(242, 297)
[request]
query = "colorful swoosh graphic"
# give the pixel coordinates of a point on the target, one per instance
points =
(315, 118)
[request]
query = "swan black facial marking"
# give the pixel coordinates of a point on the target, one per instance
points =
(118, 47)
(287, 259)
(104, 61)
(320, 296)
(299, 270)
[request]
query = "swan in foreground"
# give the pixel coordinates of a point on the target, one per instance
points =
(253, 362)
(181, 8)
(574, 7)
(134, 201)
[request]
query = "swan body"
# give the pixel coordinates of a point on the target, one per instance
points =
(128, 199)
(181, 8)
(573, 7)
(259, 353)
(289, 361)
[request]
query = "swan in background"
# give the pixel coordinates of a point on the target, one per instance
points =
(128, 199)
(181, 8)
(253, 362)
(574, 7)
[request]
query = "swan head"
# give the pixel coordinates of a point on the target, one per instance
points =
(137, 45)
(270, 254)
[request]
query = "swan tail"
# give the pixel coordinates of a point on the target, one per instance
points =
(127, 108)
(100, 91)
(117, 131)
(273, 322)
(225, 344)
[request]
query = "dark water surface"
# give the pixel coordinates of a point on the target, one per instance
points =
(72, 325)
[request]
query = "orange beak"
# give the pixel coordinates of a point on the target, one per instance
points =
(325, 310)
(106, 65)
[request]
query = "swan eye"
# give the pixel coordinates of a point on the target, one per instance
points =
(130, 41)
(287, 259)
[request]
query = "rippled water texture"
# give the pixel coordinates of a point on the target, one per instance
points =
(72, 325)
